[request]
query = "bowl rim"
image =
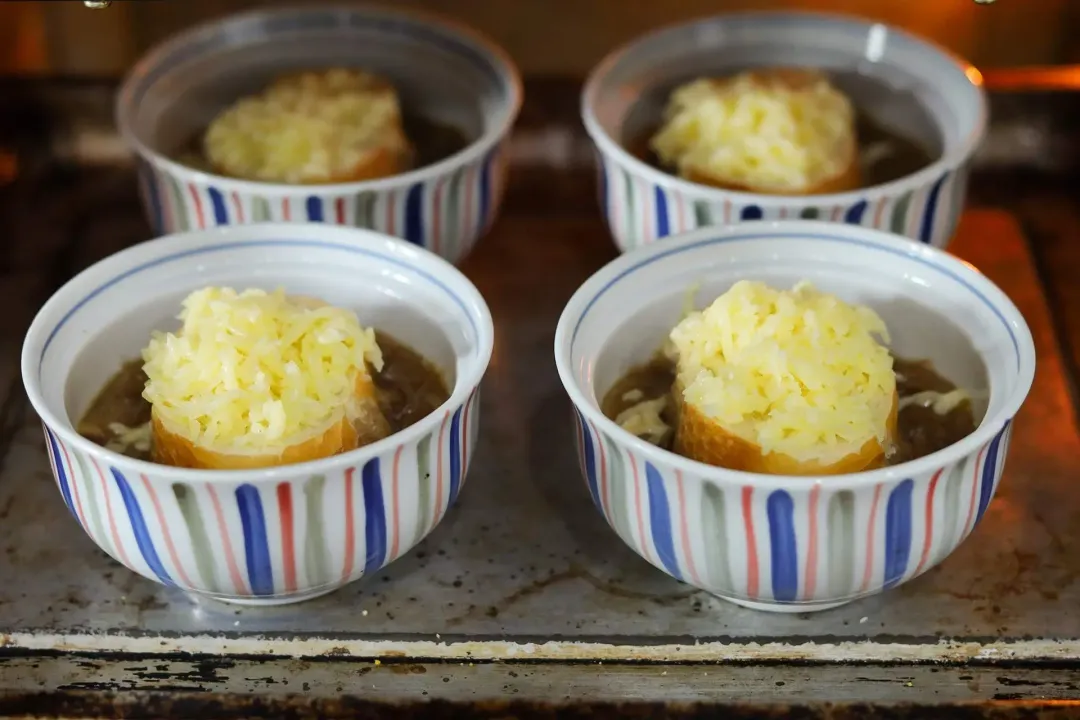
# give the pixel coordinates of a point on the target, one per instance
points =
(925, 176)
(809, 231)
(116, 266)
(124, 110)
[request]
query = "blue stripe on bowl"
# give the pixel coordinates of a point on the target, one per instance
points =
(485, 187)
(61, 474)
(374, 516)
(140, 530)
(780, 509)
(217, 201)
(854, 214)
(989, 468)
(417, 226)
(660, 521)
(926, 232)
(751, 212)
(898, 521)
(414, 214)
(589, 456)
(153, 196)
(778, 235)
(256, 542)
(663, 225)
(455, 454)
(254, 244)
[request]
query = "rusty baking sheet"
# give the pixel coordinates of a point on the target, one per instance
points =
(524, 569)
(72, 705)
(403, 681)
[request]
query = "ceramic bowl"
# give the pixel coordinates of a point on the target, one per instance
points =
(795, 543)
(443, 72)
(260, 536)
(902, 83)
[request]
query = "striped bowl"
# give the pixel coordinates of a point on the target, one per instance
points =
(900, 81)
(444, 72)
(263, 536)
(795, 543)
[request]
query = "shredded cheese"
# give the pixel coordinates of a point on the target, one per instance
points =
(942, 403)
(644, 420)
(311, 127)
(126, 438)
(252, 370)
(798, 372)
(783, 131)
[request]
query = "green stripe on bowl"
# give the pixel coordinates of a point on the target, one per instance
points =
(200, 540)
(316, 553)
(841, 521)
(717, 571)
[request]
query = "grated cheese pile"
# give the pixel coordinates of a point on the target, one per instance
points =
(785, 131)
(253, 371)
(307, 128)
(798, 372)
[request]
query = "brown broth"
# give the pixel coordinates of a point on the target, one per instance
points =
(884, 156)
(408, 389)
(920, 429)
(431, 140)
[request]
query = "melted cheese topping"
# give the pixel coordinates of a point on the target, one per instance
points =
(781, 131)
(254, 371)
(310, 127)
(798, 372)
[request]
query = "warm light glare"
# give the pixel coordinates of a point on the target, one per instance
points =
(22, 38)
(9, 166)
(974, 75)
(972, 267)
(1063, 77)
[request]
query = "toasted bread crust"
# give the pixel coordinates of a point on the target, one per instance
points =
(705, 440)
(392, 155)
(849, 179)
(379, 163)
(347, 433)
(170, 448)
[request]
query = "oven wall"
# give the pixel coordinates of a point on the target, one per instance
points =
(564, 37)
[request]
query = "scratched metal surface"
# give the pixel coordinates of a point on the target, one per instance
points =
(537, 682)
(524, 567)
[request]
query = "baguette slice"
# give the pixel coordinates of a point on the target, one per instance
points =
(701, 438)
(848, 175)
(850, 178)
(359, 423)
(331, 126)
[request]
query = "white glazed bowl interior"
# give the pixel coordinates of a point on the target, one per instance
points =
(104, 316)
(443, 73)
(936, 307)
